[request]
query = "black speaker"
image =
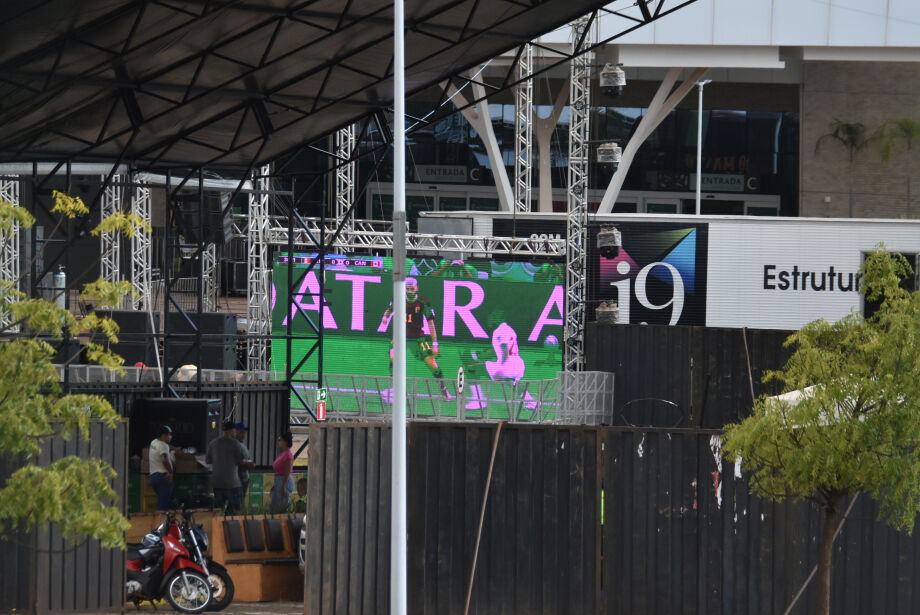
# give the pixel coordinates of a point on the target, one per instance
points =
(195, 422)
(205, 222)
(216, 352)
(235, 278)
(136, 339)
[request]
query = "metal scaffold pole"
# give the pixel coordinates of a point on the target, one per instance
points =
(523, 132)
(345, 177)
(258, 301)
(141, 249)
(577, 212)
(9, 243)
(399, 527)
(110, 243)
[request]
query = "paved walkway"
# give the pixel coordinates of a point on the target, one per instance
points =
(235, 608)
(264, 608)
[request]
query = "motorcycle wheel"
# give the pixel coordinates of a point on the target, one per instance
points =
(221, 589)
(188, 591)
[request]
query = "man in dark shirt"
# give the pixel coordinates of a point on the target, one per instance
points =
(226, 454)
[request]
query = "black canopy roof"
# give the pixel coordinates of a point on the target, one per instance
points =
(230, 83)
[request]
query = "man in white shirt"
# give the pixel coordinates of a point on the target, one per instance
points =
(162, 460)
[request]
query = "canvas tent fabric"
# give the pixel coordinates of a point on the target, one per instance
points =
(229, 83)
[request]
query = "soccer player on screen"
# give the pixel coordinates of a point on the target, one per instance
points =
(419, 319)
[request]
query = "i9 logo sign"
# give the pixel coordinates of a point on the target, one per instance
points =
(659, 277)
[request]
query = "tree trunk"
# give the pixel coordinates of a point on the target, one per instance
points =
(825, 557)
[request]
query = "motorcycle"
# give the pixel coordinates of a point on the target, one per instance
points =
(165, 569)
(196, 540)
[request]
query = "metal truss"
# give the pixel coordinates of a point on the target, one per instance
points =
(9, 243)
(523, 131)
(141, 250)
(128, 114)
(577, 216)
(110, 243)
(209, 278)
(375, 236)
(258, 300)
(345, 177)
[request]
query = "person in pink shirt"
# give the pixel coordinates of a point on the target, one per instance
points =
(284, 478)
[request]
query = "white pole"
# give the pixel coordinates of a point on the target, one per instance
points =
(699, 145)
(399, 533)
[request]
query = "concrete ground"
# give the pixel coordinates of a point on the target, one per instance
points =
(235, 608)
(264, 608)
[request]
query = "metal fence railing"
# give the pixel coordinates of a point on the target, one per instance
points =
(572, 398)
(585, 398)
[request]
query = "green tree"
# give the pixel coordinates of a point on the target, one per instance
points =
(893, 132)
(73, 493)
(851, 420)
(851, 135)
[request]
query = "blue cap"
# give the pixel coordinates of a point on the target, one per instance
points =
(241, 426)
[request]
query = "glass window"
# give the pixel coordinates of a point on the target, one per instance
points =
(451, 203)
(382, 207)
(661, 208)
(483, 204)
(625, 207)
(762, 210)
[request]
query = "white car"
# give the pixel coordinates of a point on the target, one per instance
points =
(302, 547)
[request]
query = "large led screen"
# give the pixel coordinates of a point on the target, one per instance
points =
(497, 320)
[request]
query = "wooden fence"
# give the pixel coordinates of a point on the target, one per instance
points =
(40, 571)
(684, 376)
(680, 532)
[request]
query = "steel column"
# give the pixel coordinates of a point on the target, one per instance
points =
(9, 243)
(141, 250)
(577, 216)
(209, 278)
(523, 131)
(345, 177)
(258, 300)
(110, 243)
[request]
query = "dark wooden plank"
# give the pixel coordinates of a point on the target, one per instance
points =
(523, 515)
(384, 524)
(330, 521)
(538, 481)
(358, 520)
(344, 510)
(370, 537)
(316, 504)
(590, 541)
(551, 556)
(458, 540)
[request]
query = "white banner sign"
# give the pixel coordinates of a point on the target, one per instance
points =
(782, 275)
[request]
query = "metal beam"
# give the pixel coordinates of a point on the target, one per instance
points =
(577, 216)
(523, 132)
(258, 300)
(9, 244)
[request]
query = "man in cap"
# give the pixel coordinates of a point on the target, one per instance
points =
(161, 460)
(240, 431)
(226, 454)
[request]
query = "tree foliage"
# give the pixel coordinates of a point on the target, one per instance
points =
(894, 131)
(856, 425)
(849, 419)
(851, 135)
(73, 493)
